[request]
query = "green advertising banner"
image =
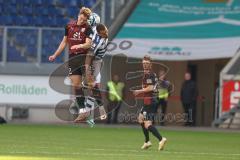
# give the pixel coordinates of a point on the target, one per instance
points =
(183, 29)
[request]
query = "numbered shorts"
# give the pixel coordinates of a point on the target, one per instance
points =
(76, 64)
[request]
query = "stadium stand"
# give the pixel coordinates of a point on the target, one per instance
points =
(31, 30)
(21, 42)
(50, 42)
(1, 42)
(52, 13)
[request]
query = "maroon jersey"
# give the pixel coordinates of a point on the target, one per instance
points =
(77, 34)
(149, 79)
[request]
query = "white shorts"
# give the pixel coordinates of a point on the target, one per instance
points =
(89, 105)
(84, 110)
(97, 65)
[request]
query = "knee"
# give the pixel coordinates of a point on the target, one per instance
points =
(147, 124)
(76, 84)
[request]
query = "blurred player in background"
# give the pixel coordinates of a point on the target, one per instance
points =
(164, 89)
(149, 93)
(78, 37)
(93, 67)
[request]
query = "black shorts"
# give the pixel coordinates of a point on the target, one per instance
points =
(149, 111)
(76, 64)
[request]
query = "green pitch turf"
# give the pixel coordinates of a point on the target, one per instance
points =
(46, 142)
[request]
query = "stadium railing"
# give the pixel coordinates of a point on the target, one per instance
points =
(29, 48)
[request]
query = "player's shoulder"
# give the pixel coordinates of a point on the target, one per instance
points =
(88, 28)
(152, 74)
(71, 23)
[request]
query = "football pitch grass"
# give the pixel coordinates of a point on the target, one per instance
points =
(55, 142)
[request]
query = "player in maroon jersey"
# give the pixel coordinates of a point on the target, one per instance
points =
(149, 92)
(78, 37)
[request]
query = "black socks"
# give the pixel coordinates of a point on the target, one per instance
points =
(145, 132)
(80, 97)
(155, 132)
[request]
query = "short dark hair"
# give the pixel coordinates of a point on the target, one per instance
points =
(147, 58)
(100, 27)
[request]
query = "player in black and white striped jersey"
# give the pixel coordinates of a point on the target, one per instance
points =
(98, 50)
(94, 59)
(94, 62)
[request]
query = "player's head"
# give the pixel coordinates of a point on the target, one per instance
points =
(147, 62)
(115, 78)
(102, 30)
(94, 19)
(187, 76)
(83, 15)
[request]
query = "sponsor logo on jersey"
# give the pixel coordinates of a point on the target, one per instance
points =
(76, 35)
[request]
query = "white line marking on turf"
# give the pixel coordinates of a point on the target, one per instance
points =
(74, 153)
(118, 149)
(232, 156)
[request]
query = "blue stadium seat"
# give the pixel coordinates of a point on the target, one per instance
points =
(14, 56)
(62, 3)
(73, 3)
(32, 41)
(12, 10)
(44, 11)
(1, 40)
(22, 20)
(6, 20)
(44, 59)
(17, 31)
(87, 3)
(32, 51)
(26, 2)
(49, 50)
(52, 11)
(37, 3)
(6, 8)
(28, 11)
(38, 22)
(48, 3)
(72, 12)
(46, 20)
(13, 2)
(37, 12)
(62, 21)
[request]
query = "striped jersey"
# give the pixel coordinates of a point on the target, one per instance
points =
(99, 45)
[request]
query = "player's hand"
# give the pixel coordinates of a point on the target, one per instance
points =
(136, 92)
(52, 58)
(75, 47)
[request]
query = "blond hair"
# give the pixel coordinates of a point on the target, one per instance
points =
(85, 11)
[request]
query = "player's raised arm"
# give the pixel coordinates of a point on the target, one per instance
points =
(61, 47)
